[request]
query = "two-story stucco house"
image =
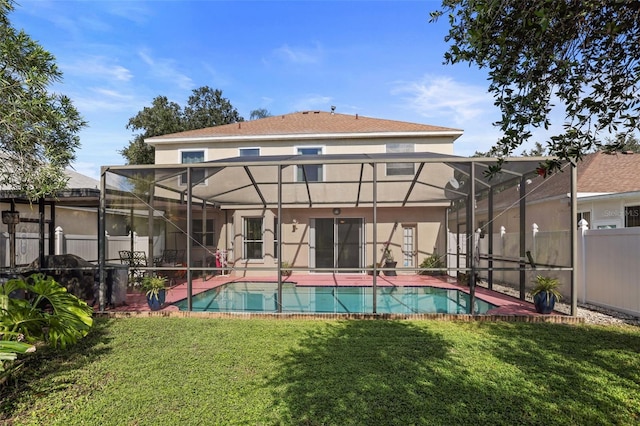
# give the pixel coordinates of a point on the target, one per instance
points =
(305, 172)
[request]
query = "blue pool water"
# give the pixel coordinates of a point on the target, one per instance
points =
(262, 297)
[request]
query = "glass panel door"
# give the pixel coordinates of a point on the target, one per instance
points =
(324, 243)
(349, 247)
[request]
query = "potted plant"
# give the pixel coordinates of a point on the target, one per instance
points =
(155, 289)
(285, 267)
(388, 259)
(545, 293)
(370, 269)
(433, 262)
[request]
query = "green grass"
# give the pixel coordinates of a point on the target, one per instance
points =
(196, 371)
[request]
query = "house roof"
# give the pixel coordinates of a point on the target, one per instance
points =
(601, 172)
(81, 189)
(308, 123)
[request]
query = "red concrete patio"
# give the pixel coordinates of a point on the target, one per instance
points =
(506, 305)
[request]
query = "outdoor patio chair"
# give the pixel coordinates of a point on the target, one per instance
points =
(136, 260)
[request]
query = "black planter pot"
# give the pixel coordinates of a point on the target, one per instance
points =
(155, 303)
(544, 302)
(390, 265)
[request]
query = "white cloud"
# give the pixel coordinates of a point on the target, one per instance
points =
(299, 55)
(101, 99)
(98, 67)
(165, 69)
(438, 96)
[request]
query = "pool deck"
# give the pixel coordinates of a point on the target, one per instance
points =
(507, 306)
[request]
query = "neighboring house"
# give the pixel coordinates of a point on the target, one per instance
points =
(609, 190)
(73, 210)
(325, 211)
(608, 196)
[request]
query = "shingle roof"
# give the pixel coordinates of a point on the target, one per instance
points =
(597, 173)
(306, 123)
(601, 172)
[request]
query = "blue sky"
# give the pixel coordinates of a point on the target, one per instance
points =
(379, 59)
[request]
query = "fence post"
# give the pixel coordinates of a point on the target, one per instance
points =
(59, 243)
(503, 232)
(583, 226)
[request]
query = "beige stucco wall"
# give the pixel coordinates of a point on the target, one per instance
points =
(79, 221)
(429, 235)
(170, 153)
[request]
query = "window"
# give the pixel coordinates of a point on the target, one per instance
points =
(400, 169)
(313, 172)
(249, 152)
(203, 236)
(191, 157)
(584, 215)
(408, 245)
(253, 242)
(631, 216)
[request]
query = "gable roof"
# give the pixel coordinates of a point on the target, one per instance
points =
(306, 124)
(602, 172)
(598, 173)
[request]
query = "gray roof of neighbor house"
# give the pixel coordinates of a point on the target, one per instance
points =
(305, 124)
(81, 189)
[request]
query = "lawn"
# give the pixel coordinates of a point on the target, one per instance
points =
(197, 371)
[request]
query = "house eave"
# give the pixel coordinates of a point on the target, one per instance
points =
(455, 134)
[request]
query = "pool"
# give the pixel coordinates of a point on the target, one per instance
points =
(262, 297)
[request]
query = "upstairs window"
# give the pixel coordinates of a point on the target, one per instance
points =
(249, 152)
(400, 169)
(313, 172)
(191, 157)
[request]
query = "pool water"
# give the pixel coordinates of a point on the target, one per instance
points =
(262, 297)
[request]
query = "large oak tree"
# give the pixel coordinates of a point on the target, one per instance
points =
(581, 55)
(205, 107)
(38, 129)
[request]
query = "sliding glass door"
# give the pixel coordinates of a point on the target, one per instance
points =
(337, 243)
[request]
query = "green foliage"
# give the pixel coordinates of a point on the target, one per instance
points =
(152, 285)
(285, 267)
(582, 54)
(259, 113)
(434, 261)
(48, 312)
(546, 284)
(206, 107)
(38, 129)
(622, 142)
(9, 351)
(183, 371)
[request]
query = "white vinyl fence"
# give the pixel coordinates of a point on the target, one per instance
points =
(84, 246)
(609, 272)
